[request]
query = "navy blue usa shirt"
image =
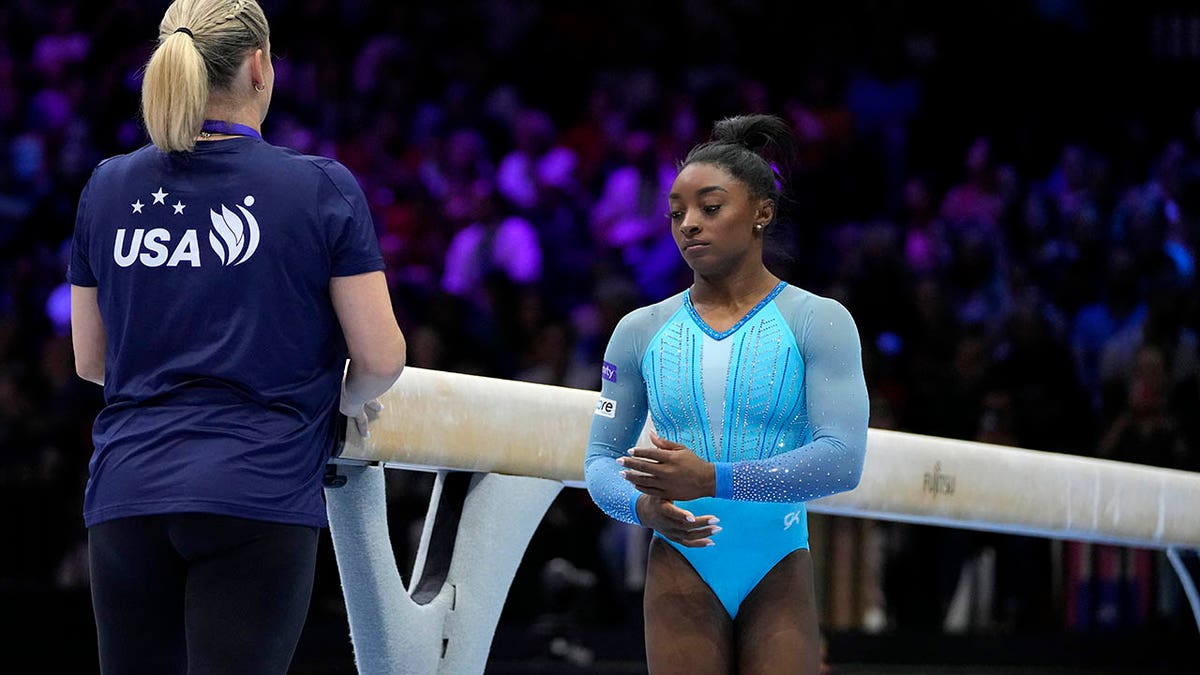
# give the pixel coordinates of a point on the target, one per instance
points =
(224, 358)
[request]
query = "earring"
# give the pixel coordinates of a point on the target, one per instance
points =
(758, 227)
(260, 87)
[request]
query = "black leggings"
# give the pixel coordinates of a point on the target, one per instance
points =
(199, 594)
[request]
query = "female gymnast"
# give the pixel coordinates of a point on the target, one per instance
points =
(756, 392)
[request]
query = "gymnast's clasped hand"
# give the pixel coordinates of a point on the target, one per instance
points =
(666, 473)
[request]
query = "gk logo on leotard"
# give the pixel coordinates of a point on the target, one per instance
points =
(792, 518)
(606, 407)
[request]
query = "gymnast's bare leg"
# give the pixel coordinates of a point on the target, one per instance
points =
(688, 631)
(777, 630)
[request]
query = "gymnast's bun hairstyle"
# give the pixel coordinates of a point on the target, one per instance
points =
(755, 149)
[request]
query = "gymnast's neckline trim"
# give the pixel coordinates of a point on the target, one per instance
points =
(708, 330)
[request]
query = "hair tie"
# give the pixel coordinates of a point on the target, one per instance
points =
(183, 29)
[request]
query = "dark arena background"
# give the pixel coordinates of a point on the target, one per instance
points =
(1005, 194)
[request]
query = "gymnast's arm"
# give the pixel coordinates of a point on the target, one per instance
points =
(837, 410)
(88, 338)
(611, 436)
(377, 347)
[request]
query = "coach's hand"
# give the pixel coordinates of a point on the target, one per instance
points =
(360, 412)
(669, 471)
(676, 524)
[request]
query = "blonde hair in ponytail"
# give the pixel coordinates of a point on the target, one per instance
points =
(187, 66)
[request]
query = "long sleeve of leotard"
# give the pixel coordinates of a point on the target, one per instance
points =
(837, 412)
(618, 421)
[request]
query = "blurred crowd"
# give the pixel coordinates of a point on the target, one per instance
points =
(1021, 273)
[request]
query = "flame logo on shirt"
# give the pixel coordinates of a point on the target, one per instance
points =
(233, 239)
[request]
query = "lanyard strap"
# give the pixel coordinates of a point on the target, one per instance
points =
(223, 127)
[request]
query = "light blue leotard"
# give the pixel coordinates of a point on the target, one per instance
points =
(777, 402)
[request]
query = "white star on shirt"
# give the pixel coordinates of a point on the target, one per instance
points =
(159, 196)
(137, 206)
(179, 207)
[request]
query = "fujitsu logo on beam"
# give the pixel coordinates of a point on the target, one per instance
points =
(938, 483)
